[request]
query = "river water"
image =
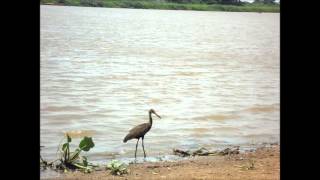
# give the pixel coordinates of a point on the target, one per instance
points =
(212, 76)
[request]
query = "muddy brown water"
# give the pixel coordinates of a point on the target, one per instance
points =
(212, 76)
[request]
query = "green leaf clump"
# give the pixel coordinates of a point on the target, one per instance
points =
(117, 167)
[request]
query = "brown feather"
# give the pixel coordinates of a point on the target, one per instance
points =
(137, 132)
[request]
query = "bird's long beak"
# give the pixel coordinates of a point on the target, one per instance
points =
(157, 115)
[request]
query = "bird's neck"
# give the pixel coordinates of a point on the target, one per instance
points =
(150, 119)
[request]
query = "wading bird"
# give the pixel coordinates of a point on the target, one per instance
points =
(139, 132)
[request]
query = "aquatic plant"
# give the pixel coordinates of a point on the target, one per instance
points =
(117, 167)
(73, 160)
(70, 160)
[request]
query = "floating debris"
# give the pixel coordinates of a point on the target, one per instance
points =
(229, 151)
(181, 152)
(204, 152)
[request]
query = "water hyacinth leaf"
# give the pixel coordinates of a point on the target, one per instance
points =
(75, 155)
(114, 164)
(65, 146)
(86, 144)
(110, 165)
(117, 167)
(117, 164)
(69, 138)
(65, 149)
(85, 161)
(72, 160)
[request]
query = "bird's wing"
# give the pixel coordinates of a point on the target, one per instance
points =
(137, 132)
(139, 128)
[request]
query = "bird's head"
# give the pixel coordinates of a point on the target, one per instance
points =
(154, 112)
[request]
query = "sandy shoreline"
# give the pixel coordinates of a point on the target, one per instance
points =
(264, 163)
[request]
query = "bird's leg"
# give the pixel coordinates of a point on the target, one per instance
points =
(143, 148)
(135, 154)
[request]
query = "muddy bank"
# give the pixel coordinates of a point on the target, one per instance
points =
(264, 163)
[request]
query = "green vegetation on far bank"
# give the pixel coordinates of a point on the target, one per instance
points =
(198, 5)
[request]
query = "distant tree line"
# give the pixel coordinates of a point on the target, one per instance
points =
(265, 1)
(100, 3)
(234, 2)
(207, 1)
